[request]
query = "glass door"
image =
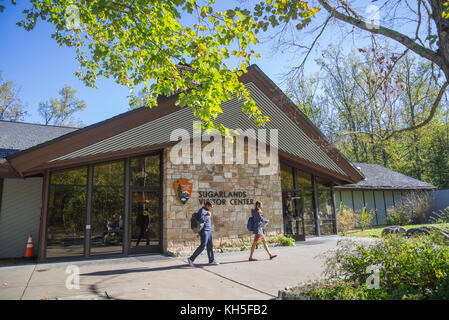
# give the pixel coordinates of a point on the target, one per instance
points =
(145, 222)
(293, 214)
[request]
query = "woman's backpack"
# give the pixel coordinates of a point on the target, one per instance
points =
(195, 224)
(250, 224)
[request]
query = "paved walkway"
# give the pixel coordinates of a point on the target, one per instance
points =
(162, 277)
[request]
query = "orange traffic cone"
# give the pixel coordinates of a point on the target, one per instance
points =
(29, 252)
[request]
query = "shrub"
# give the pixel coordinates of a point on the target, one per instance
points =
(397, 216)
(335, 290)
(365, 217)
(417, 205)
(286, 241)
(346, 219)
(442, 216)
(414, 268)
(411, 209)
(283, 240)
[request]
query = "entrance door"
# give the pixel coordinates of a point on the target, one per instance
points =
(293, 213)
(145, 222)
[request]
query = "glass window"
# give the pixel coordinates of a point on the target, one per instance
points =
(107, 208)
(109, 174)
(145, 171)
(286, 177)
(107, 220)
(72, 176)
(309, 215)
(67, 213)
(325, 207)
(144, 221)
(303, 180)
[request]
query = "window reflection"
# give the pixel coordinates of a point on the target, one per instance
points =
(144, 221)
(298, 195)
(67, 213)
(107, 208)
(325, 207)
(107, 220)
(145, 171)
(286, 177)
(70, 177)
(109, 174)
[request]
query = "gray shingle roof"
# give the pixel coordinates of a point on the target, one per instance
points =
(15, 136)
(378, 177)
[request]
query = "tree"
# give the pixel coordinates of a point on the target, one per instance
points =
(436, 160)
(371, 90)
(431, 26)
(142, 44)
(305, 92)
(11, 106)
(60, 111)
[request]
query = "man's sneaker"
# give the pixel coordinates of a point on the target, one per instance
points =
(190, 262)
(214, 263)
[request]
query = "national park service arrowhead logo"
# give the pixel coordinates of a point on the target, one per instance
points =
(183, 190)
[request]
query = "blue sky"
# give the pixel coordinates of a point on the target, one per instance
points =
(39, 68)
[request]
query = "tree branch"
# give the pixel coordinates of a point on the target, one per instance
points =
(392, 34)
(433, 110)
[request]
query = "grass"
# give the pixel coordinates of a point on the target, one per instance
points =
(376, 232)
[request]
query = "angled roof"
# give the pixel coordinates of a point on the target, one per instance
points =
(16, 136)
(378, 177)
(145, 129)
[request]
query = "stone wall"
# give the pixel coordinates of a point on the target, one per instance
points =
(228, 221)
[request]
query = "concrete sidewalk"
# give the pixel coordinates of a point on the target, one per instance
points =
(162, 277)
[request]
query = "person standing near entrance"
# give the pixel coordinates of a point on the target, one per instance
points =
(286, 212)
(259, 223)
(203, 216)
(143, 222)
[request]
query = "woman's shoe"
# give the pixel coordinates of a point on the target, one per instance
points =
(252, 259)
(273, 256)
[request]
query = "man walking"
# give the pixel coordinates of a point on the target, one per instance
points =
(203, 216)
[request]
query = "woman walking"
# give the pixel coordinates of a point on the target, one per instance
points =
(259, 223)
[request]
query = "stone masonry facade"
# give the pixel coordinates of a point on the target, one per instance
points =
(228, 221)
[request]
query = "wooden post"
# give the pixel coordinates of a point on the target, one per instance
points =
(126, 210)
(334, 212)
(44, 214)
(315, 204)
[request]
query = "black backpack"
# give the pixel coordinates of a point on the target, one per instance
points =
(195, 224)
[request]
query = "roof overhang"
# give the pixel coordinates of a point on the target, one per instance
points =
(36, 159)
(6, 171)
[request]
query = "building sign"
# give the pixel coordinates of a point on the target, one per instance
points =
(183, 190)
(225, 198)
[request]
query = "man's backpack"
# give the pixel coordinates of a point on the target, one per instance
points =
(195, 224)
(250, 224)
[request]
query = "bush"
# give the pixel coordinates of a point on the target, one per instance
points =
(286, 241)
(418, 203)
(442, 216)
(365, 217)
(411, 209)
(397, 216)
(337, 290)
(413, 268)
(346, 219)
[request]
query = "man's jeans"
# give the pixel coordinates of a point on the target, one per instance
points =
(206, 242)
